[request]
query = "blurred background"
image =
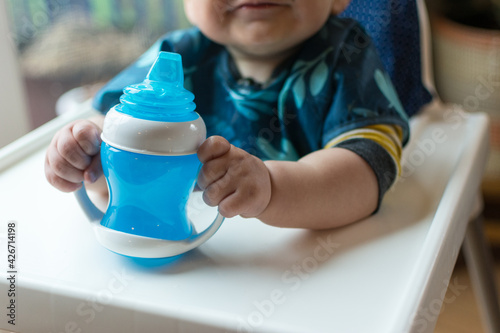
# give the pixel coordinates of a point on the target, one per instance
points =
(67, 44)
(466, 35)
(466, 49)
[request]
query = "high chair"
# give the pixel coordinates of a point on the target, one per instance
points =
(388, 273)
(390, 36)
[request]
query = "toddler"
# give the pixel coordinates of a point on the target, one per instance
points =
(305, 128)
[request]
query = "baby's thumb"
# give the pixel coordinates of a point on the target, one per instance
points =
(94, 170)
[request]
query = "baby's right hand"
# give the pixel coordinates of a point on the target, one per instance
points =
(73, 156)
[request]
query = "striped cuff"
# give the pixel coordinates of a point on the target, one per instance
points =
(387, 136)
(380, 146)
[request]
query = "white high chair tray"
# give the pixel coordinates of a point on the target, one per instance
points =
(388, 273)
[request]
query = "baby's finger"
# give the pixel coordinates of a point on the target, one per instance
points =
(62, 168)
(213, 147)
(58, 182)
(87, 134)
(70, 150)
(211, 172)
(232, 205)
(217, 191)
(94, 171)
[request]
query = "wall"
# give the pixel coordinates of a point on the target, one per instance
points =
(13, 117)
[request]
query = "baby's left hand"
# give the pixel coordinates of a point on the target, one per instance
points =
(236, 181)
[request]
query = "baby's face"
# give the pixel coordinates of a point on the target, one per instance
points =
(262, 28)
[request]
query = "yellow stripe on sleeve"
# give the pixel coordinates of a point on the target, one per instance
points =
(388, 137)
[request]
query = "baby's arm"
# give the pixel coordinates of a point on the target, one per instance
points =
(325, 189)
(73, 157)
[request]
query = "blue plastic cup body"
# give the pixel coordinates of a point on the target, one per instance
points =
(148, 193)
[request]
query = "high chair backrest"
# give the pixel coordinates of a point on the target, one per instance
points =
(394, 26)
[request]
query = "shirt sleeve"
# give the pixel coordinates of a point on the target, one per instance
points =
(366, 115)
(380, 146)
(363, 91)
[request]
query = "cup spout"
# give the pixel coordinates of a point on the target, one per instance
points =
(167, 69)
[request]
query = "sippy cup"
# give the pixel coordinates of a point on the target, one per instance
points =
(148, 154)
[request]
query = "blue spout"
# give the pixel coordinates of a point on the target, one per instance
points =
(161, 96)
(168, 70)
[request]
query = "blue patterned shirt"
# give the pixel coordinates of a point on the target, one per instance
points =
(335, 84)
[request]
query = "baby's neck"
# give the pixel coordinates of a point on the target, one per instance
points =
(258, 68)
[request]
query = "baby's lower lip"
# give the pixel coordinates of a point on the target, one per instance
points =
(259, 11)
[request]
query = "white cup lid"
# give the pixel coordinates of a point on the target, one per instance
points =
(153, 137)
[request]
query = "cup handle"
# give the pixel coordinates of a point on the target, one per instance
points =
(197, 239)
(140, 246)
(93, 213)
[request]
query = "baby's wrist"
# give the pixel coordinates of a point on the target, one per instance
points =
(268, 194)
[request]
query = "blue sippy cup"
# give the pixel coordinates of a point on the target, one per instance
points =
(148, 154)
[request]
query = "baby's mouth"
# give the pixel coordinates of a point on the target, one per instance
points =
(259, 5)
(253, 5)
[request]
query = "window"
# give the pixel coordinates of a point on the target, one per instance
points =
(68, 44)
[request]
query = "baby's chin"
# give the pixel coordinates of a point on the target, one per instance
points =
(271, 45)
(264, 51)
